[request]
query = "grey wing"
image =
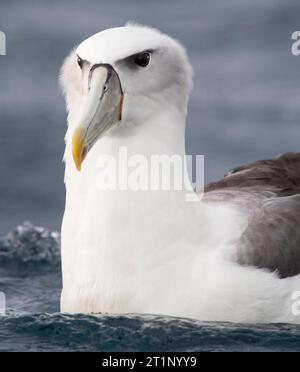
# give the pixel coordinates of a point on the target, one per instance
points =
(270, 192)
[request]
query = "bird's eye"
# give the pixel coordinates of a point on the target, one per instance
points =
(80, 62)
(142, 59)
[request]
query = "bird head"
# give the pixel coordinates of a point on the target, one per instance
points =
(122, 77)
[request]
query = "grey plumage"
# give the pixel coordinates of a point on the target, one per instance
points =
(269, 192)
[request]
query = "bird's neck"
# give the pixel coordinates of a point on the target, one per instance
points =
(163, 134)
(125, 213)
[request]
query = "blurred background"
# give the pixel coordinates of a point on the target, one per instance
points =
(245, 103)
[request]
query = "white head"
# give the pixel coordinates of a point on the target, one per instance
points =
(122, 77)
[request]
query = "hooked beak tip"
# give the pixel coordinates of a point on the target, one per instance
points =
(77, 148)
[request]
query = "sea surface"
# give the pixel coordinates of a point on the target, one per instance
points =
(245, 106)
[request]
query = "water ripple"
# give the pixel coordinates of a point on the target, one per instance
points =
(61, 332)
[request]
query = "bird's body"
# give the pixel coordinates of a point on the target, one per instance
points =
(226, 257)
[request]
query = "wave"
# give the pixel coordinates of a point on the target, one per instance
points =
(62, 332)
(29, 245)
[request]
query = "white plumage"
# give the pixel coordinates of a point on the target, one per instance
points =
(145, 251)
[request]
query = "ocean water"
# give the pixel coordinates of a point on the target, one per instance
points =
(30, 277)
(245, 106)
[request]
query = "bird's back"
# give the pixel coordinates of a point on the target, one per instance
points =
(269, 192)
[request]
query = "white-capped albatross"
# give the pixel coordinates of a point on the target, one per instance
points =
(232, 256)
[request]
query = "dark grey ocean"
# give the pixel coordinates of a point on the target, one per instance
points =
(245, 106)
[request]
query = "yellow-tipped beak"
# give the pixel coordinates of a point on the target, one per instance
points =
(101, 110)
(77, 148)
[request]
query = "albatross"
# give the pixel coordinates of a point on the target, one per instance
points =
(232, 256)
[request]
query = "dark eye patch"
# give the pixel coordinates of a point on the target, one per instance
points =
(137, 60)
(142, 59)
(80, 62)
